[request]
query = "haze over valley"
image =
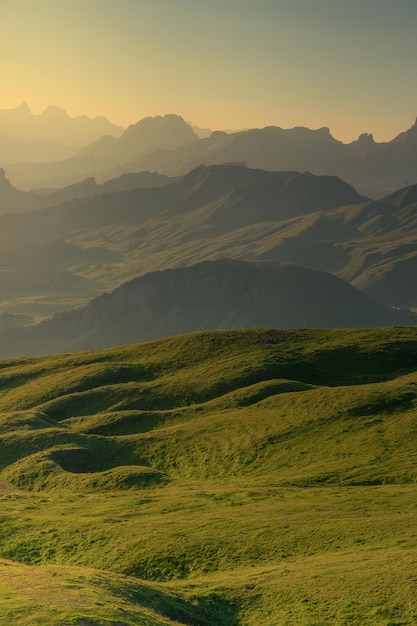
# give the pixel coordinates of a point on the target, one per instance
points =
(63, 247)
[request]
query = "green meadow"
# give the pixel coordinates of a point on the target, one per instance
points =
(229, 478)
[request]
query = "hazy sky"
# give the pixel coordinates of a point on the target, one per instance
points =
(345, 64)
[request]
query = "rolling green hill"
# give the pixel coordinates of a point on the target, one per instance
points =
(230, 478)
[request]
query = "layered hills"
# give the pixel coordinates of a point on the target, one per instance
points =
(227, 477)
(51, 136)
(14, 200)
(64, 255)
(235, 477)
(169, 146)
(54, 125)
(109, 156)
(96, 243)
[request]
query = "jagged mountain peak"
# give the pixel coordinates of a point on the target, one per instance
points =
(164, 118)
(170, 123)
(150, 134)
(365, 139)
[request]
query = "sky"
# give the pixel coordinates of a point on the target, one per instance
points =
(220, 64)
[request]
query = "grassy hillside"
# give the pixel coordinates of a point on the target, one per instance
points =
(228, 478)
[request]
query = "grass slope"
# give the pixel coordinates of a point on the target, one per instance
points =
(248, 477)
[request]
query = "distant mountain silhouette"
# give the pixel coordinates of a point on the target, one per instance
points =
(222, 294)
(170, 146)
(54, 124)
(13, 200)
(372, 168)
(108, 157)
(88, 187)
(232, 195)
(150, 134)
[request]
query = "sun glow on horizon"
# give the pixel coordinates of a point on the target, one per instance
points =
(228, 67)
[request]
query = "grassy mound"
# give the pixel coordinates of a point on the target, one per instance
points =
(66, 468)
(249, 477)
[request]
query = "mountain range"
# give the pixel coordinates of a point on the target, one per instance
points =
(169, 146)
(223, 211)
(54, 124)
(61, 247)
(94, 244)
(15, 200)
(50, 136)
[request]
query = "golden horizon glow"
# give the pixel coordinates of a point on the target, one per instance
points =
(240, 64)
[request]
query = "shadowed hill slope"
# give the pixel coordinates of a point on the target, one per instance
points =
(212, 295)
